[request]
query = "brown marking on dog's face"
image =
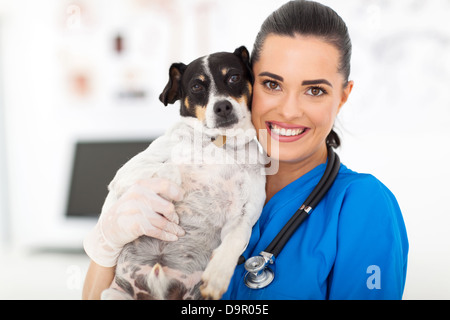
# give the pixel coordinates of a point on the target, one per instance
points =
(200, 113)
(186, 103)
(242, 100)
(250, 88)
(224, 71)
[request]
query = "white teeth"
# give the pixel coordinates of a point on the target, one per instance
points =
(285, 132)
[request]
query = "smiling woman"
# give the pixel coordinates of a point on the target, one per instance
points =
(297, 102)
(301, 63)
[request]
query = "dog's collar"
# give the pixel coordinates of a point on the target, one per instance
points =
(219, 141)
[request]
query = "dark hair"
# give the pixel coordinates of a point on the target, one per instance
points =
(309, 18)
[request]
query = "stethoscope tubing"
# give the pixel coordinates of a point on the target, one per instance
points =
(259, 275)
(310, 203)
(326, 181)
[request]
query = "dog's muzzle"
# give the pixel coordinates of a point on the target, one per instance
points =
(223, 111)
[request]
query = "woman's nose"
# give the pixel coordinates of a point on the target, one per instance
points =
(291, 107)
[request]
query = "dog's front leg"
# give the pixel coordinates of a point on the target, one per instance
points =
(220, 268)
(235, 236)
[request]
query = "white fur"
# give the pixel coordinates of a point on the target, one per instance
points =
(174, 156)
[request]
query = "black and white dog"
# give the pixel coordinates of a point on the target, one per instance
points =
(213, 155)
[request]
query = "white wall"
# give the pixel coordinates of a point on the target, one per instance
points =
(4, 233)
(394, 125)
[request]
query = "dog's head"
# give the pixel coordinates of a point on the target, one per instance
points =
(216, 90)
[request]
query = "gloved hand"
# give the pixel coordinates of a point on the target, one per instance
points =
(144, 209)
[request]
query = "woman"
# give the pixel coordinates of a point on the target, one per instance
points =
(354, 245)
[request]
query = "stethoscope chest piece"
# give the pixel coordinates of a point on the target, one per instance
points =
(258, 274)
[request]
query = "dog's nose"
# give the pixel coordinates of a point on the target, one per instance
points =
(223, 108)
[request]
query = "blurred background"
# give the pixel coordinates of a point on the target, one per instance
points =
(79, 87)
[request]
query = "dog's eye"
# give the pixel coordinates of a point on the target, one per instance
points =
(196, 88)
(234, 78)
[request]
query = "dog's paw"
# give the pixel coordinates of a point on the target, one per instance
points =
(213, 288)
(216, 279)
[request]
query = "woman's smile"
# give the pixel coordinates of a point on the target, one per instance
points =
(284, 132)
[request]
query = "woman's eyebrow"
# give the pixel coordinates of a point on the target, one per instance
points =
(304, 83)
(318, 81)
(272, 75)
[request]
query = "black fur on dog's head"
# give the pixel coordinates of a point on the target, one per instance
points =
(215, 89)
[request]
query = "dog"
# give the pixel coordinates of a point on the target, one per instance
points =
(212, 154)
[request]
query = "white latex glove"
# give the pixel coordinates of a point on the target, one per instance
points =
(144, 209)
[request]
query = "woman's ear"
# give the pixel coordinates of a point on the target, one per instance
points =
(346, 93)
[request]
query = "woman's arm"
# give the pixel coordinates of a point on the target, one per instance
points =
(372, 246)
(98, 278)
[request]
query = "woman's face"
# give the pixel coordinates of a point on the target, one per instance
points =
(297, 95)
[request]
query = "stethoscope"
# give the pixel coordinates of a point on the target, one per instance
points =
(259, 275)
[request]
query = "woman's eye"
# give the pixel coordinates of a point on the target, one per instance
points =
(315, 91)
(196, 88)
(272, 85)
(234, 78)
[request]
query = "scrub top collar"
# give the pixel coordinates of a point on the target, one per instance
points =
(306, 182)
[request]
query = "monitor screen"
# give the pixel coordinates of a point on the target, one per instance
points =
(94, 166)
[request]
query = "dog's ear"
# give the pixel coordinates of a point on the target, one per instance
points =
(244, 55)
(172, 91)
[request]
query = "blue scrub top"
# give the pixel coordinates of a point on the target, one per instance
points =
(353, 245)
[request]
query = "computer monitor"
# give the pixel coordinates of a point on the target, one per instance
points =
(94, 166)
